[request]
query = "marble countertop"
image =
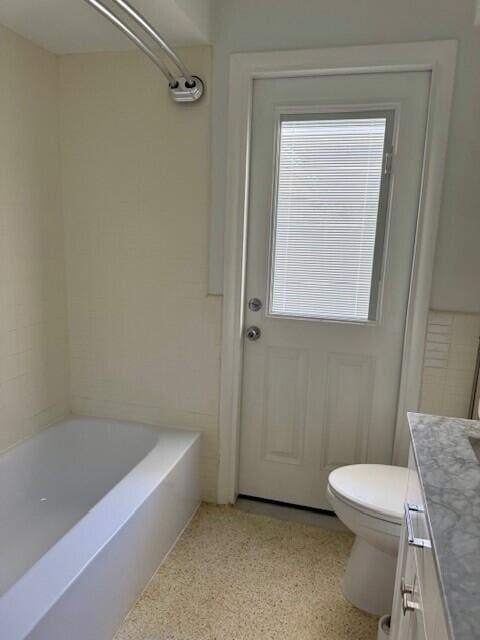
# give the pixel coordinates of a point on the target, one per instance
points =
(449, 474)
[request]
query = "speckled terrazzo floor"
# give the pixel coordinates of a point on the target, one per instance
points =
(238, 576)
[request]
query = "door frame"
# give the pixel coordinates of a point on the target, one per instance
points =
(437, 57)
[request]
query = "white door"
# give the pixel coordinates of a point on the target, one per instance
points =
(335, 173)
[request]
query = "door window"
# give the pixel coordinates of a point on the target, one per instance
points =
(329, 215)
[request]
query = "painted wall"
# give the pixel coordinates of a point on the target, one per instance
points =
(249, 25)
(144, 335)
(33, 342)
(201, 14)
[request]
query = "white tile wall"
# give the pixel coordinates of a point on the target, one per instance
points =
(144, 335)
(450, 355)
(33, 342)
(439, 337)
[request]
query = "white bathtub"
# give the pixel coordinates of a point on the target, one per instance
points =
(88, 509)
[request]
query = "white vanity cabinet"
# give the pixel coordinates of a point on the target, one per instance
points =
(417, 612)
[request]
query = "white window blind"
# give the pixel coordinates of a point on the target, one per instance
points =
(329, 178)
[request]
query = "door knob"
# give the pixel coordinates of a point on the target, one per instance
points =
(253, 333)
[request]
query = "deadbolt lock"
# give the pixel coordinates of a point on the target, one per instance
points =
(255, 304)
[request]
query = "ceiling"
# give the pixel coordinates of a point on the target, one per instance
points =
(72, 26)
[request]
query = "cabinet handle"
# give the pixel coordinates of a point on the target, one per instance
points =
(413, 541)
(409, 605)
(405, 588)
(405, 591)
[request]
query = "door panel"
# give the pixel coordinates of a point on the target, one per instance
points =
(285, 404)
(350, 381)
(319, 394)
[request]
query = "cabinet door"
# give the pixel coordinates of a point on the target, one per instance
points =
(401, 626)
(427, 579)
(407, 612)
(417, 612)
(417, 627)
(434, 614)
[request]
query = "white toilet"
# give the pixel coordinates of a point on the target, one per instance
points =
(368, 499)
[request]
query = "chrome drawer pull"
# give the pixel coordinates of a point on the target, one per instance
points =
(408, 605)
(406, 588)
(412, 540)
(405, 591)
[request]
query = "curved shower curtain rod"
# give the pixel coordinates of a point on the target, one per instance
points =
(183, 88)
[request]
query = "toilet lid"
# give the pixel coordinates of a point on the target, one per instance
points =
(376, 488)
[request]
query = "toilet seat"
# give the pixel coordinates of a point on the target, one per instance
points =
(376, 490)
